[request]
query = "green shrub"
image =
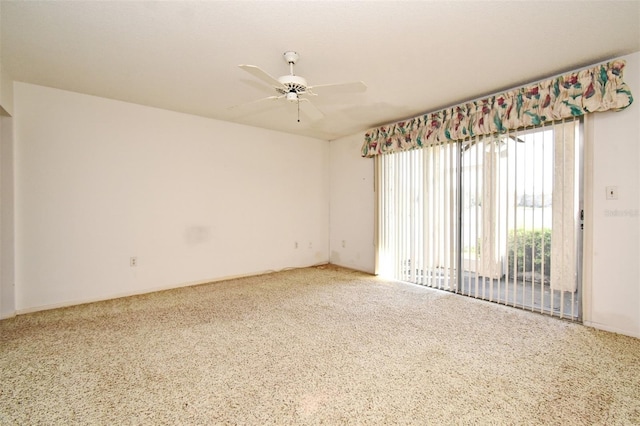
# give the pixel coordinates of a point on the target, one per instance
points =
(528, 245)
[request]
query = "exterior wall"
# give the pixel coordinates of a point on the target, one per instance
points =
(611, 286)
(612, 298)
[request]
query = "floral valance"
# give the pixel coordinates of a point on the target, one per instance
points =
(599, 88)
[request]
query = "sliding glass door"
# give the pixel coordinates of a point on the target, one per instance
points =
(417, 211)
(497, 218)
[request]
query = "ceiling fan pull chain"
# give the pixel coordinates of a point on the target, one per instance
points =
(298, 110)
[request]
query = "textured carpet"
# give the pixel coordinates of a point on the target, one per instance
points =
(318, 345)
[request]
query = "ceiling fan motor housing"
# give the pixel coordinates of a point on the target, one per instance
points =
(292, 84)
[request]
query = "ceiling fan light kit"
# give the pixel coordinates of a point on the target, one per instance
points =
(292, 96)
(293, 88)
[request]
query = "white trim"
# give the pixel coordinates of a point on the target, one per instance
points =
(7, 315)
(151, 290)
(610, 329)
(587, 232)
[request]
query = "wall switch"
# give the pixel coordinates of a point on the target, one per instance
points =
(612, 192)
(133, 261)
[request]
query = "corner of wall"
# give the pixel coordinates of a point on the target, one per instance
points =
(6, 95)
(352, 202)
(7, 222)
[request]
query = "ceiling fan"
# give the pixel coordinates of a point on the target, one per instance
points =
(294, 88)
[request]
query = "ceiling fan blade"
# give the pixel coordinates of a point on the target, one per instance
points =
(254, 102)
(262, 75)
(252, 107)
(353, 87)
(310, 110)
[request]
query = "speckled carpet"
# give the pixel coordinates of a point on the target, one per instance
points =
(319, 345)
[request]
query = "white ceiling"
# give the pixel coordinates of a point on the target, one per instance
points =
(414, 56)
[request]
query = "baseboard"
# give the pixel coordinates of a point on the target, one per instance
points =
(85, 301)
(8, 315)
(610, 329)
(353, 268)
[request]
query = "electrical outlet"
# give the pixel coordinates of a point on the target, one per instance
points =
(295, 245)
(133, 261)
(344, 243)
(612, 192)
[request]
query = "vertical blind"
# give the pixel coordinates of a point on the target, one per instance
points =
(417, 204)
(493, 217)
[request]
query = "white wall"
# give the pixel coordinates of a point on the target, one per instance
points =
(98, 181)
(613, 301)
(7, 289)
(7, 299)
(6, 82)
(612, 292)
(352, 205)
